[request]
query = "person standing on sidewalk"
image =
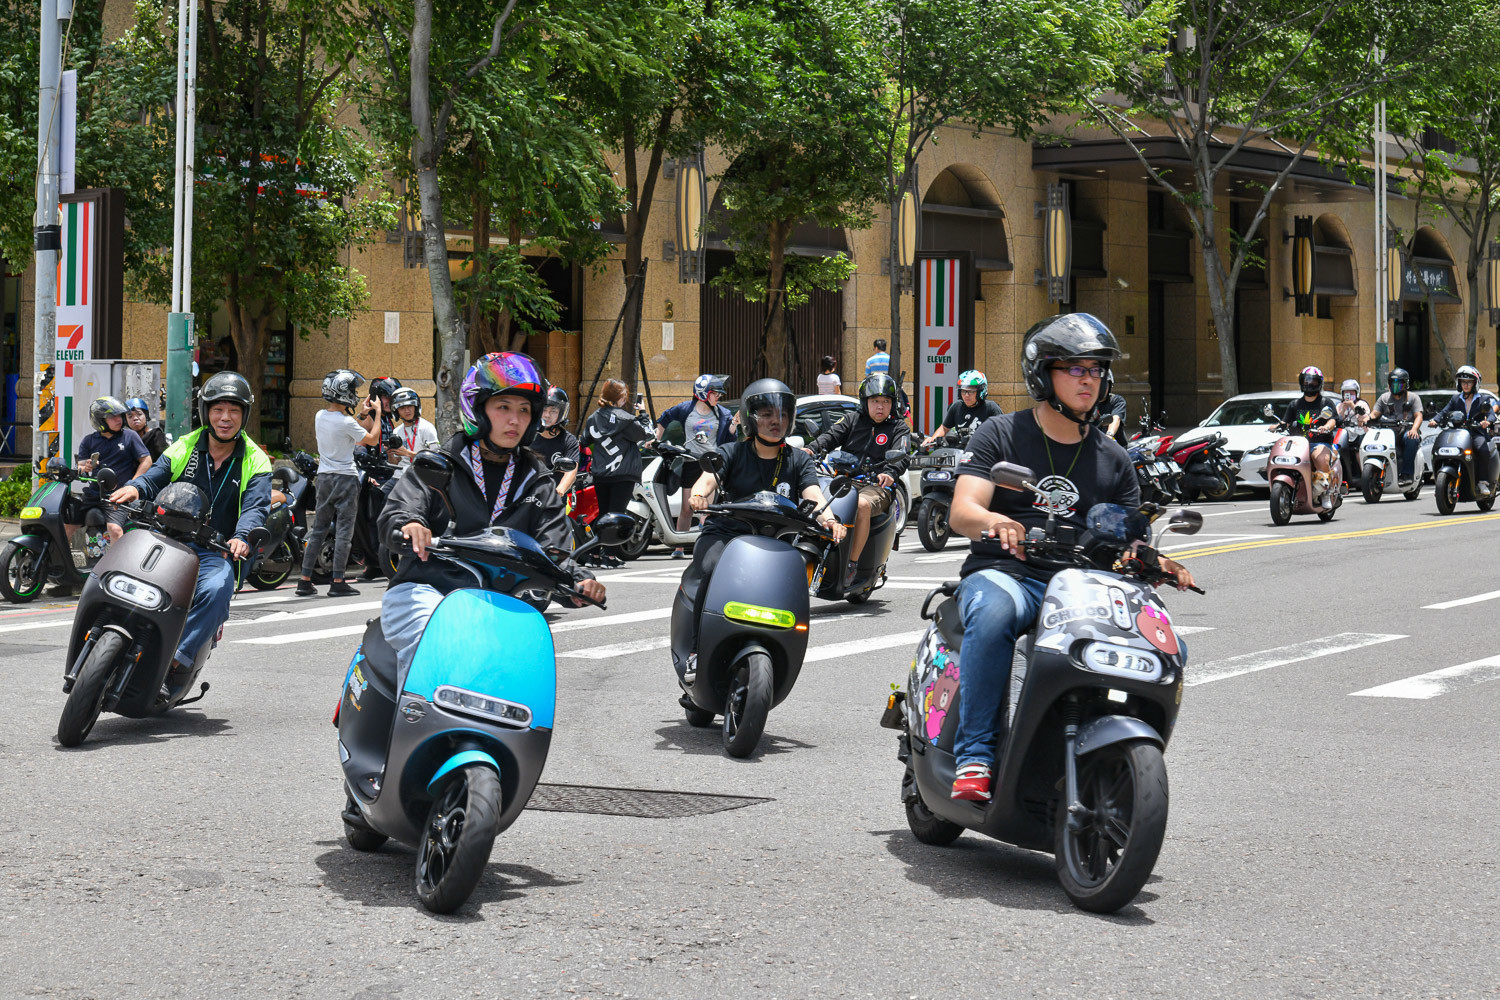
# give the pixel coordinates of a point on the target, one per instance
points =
(613, 436)
(339, 433)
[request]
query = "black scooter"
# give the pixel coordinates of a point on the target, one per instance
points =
(1455, 477)
(41, 552)
(752, 614)
(827, 580)
(132, 613)
(1080, 770)
(939, 467)
(292, 497)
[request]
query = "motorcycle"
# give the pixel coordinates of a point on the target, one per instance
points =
(650, 503)
(1094, 698)
(751, 614)
(132, 613)
(939, 473)
(1455, 479)
(1380, 460)
(1295, 487)
(42, 552)
(292, 497)
(447, 759)
(1157, 477)
(827, 580)
(1208, 471)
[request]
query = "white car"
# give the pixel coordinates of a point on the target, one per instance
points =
(1247, 431)
(817, 413)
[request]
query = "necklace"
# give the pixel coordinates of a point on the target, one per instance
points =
(1047, 445)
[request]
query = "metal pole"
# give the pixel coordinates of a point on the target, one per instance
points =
(47, 234)
(180, 338)
(1382, 278)
(189, 158)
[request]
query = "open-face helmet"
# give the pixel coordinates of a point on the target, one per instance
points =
(105, 406)
(406, 397)
(972, 379)
(225, 387)
(1466, 371)
(705, 384)
(1067, 337)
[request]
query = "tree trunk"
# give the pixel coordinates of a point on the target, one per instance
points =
(480, 245)
(1220, 297)
(504, 325)
(774, 345)
(450, 327)
(248, 331)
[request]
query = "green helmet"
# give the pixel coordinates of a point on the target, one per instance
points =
(972, 379)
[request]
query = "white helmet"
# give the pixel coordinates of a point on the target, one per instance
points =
(1349, 385)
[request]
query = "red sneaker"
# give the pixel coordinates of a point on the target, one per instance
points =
(971, 782)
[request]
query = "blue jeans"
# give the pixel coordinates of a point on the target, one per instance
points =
(996, 609)
(404, 612)
(210, 607)
(1407, 449)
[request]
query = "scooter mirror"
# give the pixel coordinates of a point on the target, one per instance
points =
(257, 537)
(1268, 412)
(614, 529)
(1185, 522)
(56, 467)
(896, 458)
(1009, 476)
(839, 486)
(108, 481)
(563, 463)
(712, 463)
(433, 470)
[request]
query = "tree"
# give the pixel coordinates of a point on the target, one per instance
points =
(1298, 75)
(278, 199)
(985, 64)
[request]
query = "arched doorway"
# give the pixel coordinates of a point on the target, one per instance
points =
(1428, 285)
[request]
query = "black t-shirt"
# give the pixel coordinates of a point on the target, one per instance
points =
(961, 418)
(1077, 476)
(122, 452)
(1303, 413)
(561, 444)
(746, 473)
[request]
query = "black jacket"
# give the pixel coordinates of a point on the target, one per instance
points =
(1480, 406)
(535, 508)
(612, 435)
(863, 438)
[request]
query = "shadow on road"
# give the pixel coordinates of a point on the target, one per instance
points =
(678, 735)
(387, 877)
(978, 868)
(118, 731)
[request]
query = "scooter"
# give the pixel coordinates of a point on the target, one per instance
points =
(446, 759)
(1295, 487)
(1208, 471)
(1456, 480)
(751, 615)
(292, 496)
(1093, 702)
(1380, 460)
(41, 552)
(132, 612)
(651, 503)
(827, 580)
(939, 473)
(1346, 440)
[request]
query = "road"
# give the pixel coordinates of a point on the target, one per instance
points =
(1332, 826)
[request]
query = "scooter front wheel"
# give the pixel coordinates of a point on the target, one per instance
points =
(81, 710)
(1104, 860)
(1281, 502)
(1445, 492)
(926, 827)
(748, 705)
(932, 526)
(457, 838)
(1373, 484)
(22, 574)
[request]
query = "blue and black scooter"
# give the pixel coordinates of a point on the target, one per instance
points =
(449, 759)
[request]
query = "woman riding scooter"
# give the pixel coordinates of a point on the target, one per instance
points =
(1352, 412)
(1470, 403)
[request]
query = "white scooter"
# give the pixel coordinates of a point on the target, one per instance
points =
(1379, 460)
(654, 505)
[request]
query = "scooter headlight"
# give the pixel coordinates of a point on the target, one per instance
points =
(1285, 460)
(507, 713)
(31, 513)
(137, 592)
(756, 615)
(1121, 661)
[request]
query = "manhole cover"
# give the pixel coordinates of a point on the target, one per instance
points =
(639, 802)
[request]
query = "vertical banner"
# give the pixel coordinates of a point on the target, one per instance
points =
(939, 300)
(76, 265)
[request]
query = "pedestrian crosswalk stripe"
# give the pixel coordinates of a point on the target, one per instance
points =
(1462, 601)
(1437, 682)
(1280, 656)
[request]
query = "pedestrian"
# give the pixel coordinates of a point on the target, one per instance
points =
(880, 361)
(154, 438)
(828, 379)
(339, 433)
(119, 448)
(415, 431)
(705, 427)
(613, 436)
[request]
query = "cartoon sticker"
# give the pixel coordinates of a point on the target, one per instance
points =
(1157, 629)
(938, 698)
(357, 685)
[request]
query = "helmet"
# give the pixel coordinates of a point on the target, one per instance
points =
(342, 386)
(1061, 338)
(1310, 379)
(406, 397)
(558, 398)
(504, 373)
(384, 385)
(877, 384)
(1398, 380)
(1349, 385)
(137, 403)
(1467, 371)
(104, 406)
(769, 392)
(225, 387)
(705, 384)
(974, 380)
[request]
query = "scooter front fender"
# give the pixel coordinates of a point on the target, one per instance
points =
(458, 760)
(37, 543)
(1110, 729)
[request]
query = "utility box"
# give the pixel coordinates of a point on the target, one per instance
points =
(120, 379)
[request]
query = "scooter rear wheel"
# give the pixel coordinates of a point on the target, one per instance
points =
(1103, 864)
(932, 526)
(457, 838)
(22, 575)
(81, 710)
(748, 705)
(638, 543)
(273, 570)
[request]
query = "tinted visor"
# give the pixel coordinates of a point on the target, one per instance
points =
(769, 415)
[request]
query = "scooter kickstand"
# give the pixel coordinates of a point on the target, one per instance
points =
(197, 697)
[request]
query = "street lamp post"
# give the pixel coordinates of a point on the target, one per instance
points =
(181, 340)
(47, 234)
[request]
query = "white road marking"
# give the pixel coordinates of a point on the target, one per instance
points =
(621, 619)
(68, 612)
(618, 649)
(29, 626)
(322, 633)
(1190, 629)
(281, 617)
(943, 556)
(1265, 659)
(1462, 601)
(250, 602)
(834, 651)
(1438, 682)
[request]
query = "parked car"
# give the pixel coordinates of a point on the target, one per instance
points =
(815, 414)
(1249, 433)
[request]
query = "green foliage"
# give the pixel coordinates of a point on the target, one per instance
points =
(749, 275)
(15, 490)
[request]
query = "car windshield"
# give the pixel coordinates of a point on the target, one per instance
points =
(1245, 412)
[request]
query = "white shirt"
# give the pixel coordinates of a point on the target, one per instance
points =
(419, 438)
(338, 433)
(828, 384)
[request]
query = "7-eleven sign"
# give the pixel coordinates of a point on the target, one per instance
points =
(938, 299)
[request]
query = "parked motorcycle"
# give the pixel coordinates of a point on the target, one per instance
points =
(1455, 477)
(292, 503)
(133, 611)
(1380, 461)
(751, 614)
(827, 580)
(939, 474)
(651, 502)
(1157, 477)
(1295, 487)
(1208, 470)
(1093, 702)
(42, 552)
(447, 759)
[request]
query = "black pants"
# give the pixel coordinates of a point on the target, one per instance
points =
(706, 552)
(614, 498)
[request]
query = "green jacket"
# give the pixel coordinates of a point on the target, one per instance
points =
(254, 498)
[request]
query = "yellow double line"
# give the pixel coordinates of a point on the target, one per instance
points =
(1446, 522)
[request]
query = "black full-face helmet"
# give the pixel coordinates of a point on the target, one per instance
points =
(768, 394)
(225, 387)
(1065, 338)
(1399, 380)
(557, 398)
(1310, 380)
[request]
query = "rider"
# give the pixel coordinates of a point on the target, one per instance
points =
(1352, 412)
(118, 448)
(972, 409)
(1471, 403)
(1066, 363)
(706, 426)
(415, 431)
(136, 417)
(868, 435)
(235, 476)
(1312, 413)
(763, 463)
(1401, 405)
(553, 439)
(499, 481)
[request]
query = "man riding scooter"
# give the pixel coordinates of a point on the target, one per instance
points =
(1313, 414)
(118, 448)
(235, 476)
(1352, 412)
(971, 410)
(1401, 405)
(1468, 403)
(868, 435)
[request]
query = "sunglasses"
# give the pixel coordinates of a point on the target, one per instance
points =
(1079, 371)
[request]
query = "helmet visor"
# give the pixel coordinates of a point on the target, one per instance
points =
(769, 416)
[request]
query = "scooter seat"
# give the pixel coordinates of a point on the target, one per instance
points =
(380, 659)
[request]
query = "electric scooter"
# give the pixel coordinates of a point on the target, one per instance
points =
(939, 474)
(41, 552)
(1455, 478)
(651, 503)
(446, 758)
(827, 580)
(292, 496)
(1379, 460)
(1093, 702)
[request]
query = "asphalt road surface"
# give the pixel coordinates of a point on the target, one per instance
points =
(1332, 831)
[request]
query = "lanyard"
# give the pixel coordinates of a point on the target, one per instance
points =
(411, 439)
(477, 465)
(224, 479)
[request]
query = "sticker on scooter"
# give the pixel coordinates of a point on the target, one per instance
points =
(1062, 616)
(939, 695)
(1156, 628)
(1119, 608)
(357, 685)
